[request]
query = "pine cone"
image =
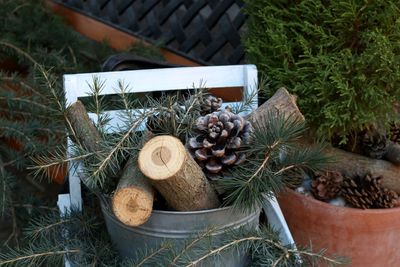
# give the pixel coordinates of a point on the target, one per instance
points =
(210, 104)
(366, 192)
(221, 135)
(374, 144)
(326, 185)
(394, 133)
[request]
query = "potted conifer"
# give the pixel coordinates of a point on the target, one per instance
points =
(341, 59)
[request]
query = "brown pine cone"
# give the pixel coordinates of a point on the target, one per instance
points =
(326, 185)
(374, 144)
(394, 132)
(221, 135)
(366, 192)
(210, 104)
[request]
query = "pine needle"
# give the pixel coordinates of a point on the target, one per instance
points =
(272, 155)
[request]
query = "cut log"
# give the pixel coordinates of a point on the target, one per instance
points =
(346, 162)
(82, 128)
(282, 102)
(351, 164)
(175, 174)
(132, 201)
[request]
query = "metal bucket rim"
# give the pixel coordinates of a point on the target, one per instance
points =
(184, 234)
(195, 212)
(141, 229)
(111, 216)
(191, 212)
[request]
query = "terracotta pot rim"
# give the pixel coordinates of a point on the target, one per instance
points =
(325, 205)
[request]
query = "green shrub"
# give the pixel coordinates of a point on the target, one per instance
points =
(342, 58)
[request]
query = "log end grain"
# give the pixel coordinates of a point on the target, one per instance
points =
(132, 206)
(175, 174)
(162, 157)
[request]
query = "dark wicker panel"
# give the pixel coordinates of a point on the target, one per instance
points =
(207, 31)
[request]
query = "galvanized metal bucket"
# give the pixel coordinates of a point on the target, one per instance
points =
(177, 227)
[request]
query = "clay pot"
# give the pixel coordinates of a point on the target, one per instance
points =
(369, 238)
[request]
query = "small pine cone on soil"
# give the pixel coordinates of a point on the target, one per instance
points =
(326, 185)
(374, 144)
(394, 133)
(366, 192)
(217, 146)
(209, 104)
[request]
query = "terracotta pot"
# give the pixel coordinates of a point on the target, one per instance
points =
(369, 238)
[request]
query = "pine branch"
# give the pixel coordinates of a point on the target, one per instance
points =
(54, 162)
(126, 102)
(39, 230)
(264, 162)
(33, 258)
(176, 115)
(27, 114)
(263, 246)
(152, 255)
(247, 103)
(49, 80)
(191, 109)
(26, 101)
(108, 161)
(10, 132)
(23, 84)
(79, 236)
(220, 249)
(272, 155)
(98, 105)
(194, 242)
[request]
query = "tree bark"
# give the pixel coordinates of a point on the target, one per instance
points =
(132, 201)
(280, 103)
(174, 173)
(351, 164)
(345, 162)
(82, 127)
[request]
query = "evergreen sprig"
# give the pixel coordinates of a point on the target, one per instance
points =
(273, 155)
(262, 245)
(173, 114)
(340, 57)
(50, 238)
(34, 41)
(36, 255)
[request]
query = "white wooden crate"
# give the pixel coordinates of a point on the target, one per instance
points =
(183, 78)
